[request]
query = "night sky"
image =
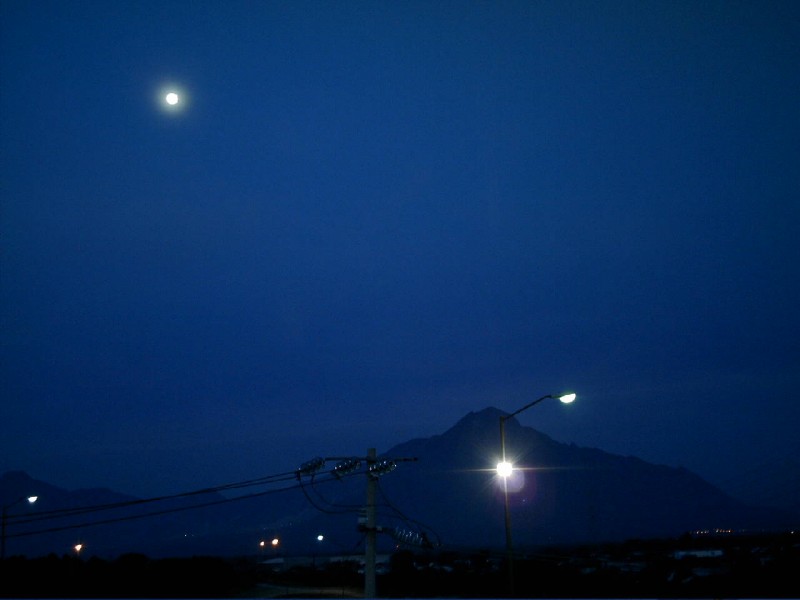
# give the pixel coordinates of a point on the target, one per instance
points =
(366, 219)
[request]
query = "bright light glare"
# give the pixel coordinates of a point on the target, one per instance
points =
(504, 469)
(275, 541)
(32, 499)
(567, 398)
(173, 98)
(78, 547)
(320, 537)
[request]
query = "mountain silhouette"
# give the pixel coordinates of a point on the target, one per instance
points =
(561, 493)
(448, 496)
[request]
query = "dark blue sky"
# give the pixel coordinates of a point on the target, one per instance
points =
(371, 218)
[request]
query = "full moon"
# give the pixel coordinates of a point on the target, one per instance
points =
(171, 98)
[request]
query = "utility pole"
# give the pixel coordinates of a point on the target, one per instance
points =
(367, 520)
(369, 555)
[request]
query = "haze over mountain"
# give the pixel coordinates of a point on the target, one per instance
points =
(560, 494)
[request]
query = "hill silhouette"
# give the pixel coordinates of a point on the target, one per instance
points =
(560, 494)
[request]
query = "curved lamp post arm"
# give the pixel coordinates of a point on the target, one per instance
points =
(526, 407)
(565, 398)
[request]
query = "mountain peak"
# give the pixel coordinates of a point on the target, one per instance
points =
(14, 484)
(485, 415)
(485, 424)
(10, 477)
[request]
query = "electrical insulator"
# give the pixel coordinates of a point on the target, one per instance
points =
(381, 467)
(346, 466)
(405, 536)
(310, 467)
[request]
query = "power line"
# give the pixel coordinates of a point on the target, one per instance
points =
(340, 508)
(275, 479)
(68, 512)
(337, 509)
(408, 521)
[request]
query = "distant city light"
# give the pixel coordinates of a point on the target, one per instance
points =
(275, 542)
(320, 537)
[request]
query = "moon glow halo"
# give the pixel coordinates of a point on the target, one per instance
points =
(172, 98)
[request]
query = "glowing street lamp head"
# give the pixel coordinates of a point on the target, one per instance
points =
(567, 398)
(504, 469)
(32, 499)
(275, 541)
(172, 98)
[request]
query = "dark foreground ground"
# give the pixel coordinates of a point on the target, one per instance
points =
(755, 566)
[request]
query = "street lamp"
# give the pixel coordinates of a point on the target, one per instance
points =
(505, 469)
(31, 500)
